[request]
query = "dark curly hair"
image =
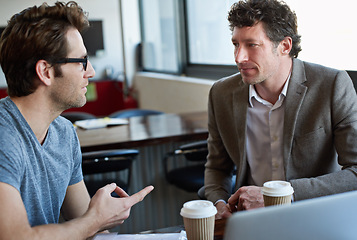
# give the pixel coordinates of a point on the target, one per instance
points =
(36, 33)
(277, 18)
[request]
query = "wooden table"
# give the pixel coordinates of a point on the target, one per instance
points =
(219, 228)
(146, 131)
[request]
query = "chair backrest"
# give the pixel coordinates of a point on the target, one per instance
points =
(108, 160)
(127, 113)
(191, 176)
(196, 151)
(76, 116)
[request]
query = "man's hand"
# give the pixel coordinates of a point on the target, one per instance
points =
(246, 198)
(223, 210)
(110, 211)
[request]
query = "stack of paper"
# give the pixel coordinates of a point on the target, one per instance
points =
(100, 122)
(158, 236)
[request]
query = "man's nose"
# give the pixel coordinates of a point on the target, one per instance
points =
(90, 73)
(240, 55)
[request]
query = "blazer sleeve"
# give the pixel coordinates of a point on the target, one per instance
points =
(219, 166)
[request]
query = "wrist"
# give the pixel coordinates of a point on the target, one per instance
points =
(220, 200)
(91, 223)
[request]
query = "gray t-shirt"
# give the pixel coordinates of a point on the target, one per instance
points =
(41, 173)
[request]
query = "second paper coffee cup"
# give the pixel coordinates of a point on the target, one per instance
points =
(277, 193)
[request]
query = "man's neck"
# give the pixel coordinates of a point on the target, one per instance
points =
(37, 113)
(270, 90)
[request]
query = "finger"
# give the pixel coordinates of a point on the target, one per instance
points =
(240, 206)
(139, 196)
(232, 207)
(121, 193)
(235, 197)
(233, 201)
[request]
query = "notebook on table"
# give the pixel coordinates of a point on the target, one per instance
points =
(325, 218)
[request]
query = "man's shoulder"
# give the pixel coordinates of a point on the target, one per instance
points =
(8, 116)
(9, 137)
(319, 76)
(232, 78)
(5, 106)
(230, 82)
(315, 70)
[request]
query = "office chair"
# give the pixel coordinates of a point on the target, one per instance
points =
(99, 162)
(77, 116)
(191, 177)
(127, 113)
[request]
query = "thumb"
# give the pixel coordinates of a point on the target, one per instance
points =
(110, 188)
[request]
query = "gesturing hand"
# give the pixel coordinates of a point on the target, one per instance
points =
(111, 211)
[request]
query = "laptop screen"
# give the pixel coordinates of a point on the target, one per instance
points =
(325, 218)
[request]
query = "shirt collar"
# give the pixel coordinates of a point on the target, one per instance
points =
(253, 93)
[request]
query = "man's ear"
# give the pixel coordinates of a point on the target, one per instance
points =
(44, 72)
(286, 45)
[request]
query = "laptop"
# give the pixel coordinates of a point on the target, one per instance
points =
(325, 218)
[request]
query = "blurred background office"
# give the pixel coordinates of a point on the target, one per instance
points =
(164, 55)
(188, 43)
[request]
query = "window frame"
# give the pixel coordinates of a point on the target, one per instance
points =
(185, 68)
(207, 71)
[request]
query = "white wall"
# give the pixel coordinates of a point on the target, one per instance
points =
(107, 11)
(170, 93)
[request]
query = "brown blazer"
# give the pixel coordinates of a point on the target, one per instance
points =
(320, 133)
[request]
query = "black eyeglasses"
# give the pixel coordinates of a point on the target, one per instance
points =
(84, 61)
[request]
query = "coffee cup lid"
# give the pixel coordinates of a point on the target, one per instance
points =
(277, 188)
(198, 209)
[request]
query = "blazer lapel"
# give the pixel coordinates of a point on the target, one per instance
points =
(295, 96)
(240, 104)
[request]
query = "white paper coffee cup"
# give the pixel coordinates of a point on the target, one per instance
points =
(277, 193)
(199, 216)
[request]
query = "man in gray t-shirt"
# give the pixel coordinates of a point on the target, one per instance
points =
(46, 67)
(41, 173)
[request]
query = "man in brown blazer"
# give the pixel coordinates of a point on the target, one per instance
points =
(279, 118)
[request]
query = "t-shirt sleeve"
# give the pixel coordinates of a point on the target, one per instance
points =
(11, 155)
(77, 174)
